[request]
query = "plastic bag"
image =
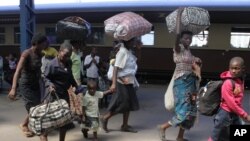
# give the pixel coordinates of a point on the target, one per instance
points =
(169, 96)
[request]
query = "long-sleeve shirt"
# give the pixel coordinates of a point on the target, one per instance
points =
(61, 77)
(232, 98)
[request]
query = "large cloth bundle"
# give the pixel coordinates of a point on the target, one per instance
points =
(193, 19)
(48, 116)
(127, 25)
(73, 28)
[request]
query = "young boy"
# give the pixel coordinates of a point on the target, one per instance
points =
(232, 92)
(90, 109)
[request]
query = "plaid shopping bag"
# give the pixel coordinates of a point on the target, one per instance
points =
(49, 115)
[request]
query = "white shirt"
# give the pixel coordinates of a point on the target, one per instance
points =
(92, 71)
(90, 102)
(126, 62)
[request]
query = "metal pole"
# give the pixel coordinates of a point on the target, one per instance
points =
(27, 23)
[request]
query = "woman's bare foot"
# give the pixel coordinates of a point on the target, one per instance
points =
(26, 131)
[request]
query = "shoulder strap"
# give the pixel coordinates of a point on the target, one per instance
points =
(233, 83)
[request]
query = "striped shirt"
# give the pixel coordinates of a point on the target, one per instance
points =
(183, 60)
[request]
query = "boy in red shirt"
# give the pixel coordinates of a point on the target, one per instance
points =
(232, 92)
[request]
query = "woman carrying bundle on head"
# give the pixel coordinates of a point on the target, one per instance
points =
(123, 78)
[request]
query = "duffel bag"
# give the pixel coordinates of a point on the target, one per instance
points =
(49, 116)
(73, 28)
(127, 25)
(193, 19)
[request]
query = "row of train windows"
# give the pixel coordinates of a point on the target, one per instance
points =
(240, 37)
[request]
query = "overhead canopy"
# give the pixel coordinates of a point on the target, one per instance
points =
(96, 11)
(49, 6)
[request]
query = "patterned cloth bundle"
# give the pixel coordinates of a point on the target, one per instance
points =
(127, 25)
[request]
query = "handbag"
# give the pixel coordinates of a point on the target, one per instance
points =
(49, 115)
(193, 19)
(169, 96)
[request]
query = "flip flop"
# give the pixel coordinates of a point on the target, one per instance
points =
(161, 133)
(26, 131)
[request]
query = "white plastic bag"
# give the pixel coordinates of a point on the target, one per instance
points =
(169, 96)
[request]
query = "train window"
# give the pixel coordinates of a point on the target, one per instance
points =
(51, 35)
(240, 38)
(2, 35)
(200, 40)
(148, 39)
(17, 35)
(97, 36)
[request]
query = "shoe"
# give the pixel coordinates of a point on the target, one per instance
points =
(161, 133)
(104, 124)
(128, 129)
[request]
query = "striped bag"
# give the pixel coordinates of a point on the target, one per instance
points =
(193, 19)
(48, 116)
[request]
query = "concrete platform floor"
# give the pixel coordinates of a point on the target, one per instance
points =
(151, 113)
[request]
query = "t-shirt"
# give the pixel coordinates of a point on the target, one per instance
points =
(126, 62)
(90, 102)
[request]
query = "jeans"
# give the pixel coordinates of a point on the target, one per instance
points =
(222, 121)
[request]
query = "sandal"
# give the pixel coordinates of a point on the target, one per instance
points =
(128, 129)
(161, 133)
(26, 131)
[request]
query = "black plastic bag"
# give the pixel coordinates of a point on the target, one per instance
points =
(73, 28)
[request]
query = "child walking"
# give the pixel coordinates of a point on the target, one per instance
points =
(90, 109)
(232, 92)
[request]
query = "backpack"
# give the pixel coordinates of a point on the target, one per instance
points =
(209, 97)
